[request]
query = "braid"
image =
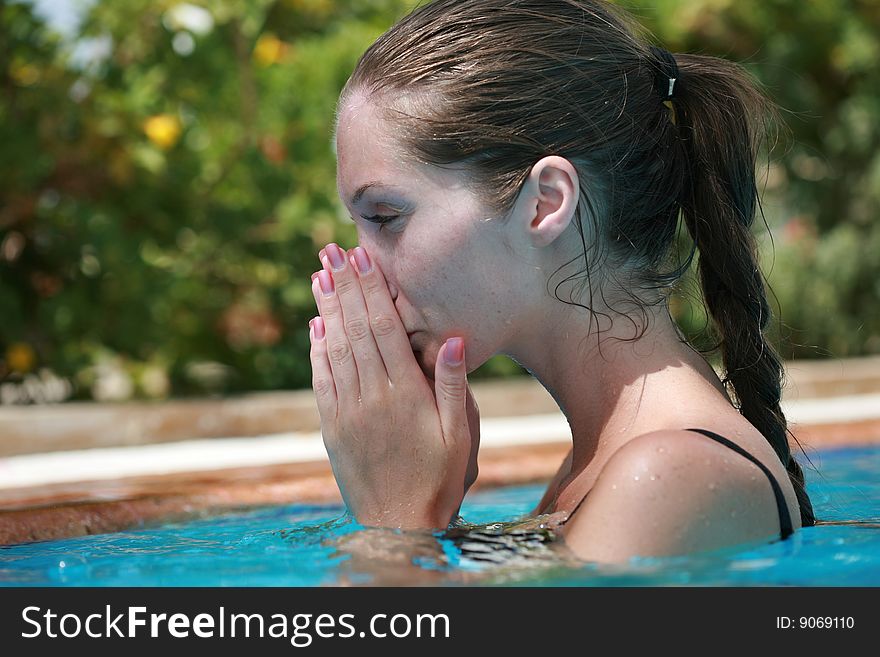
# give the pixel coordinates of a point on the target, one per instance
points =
(714, 114)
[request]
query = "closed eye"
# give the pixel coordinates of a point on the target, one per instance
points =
(381, 219)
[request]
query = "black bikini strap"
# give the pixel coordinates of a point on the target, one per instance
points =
(784, 517)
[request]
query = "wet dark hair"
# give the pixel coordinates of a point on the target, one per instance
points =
(495, 85)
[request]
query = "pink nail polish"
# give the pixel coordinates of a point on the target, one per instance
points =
(454, 353)
(363, 260)
(337, 257)
(319, 328)
(326, 282)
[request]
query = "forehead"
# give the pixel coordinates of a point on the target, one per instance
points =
(371, 160)
(366, 151)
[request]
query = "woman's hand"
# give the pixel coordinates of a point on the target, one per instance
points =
(403, 448)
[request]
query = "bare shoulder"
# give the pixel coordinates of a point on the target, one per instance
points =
(672, 492)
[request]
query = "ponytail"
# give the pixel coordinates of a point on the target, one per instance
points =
(716, 110)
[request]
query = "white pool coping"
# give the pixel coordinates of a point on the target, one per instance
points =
(236, 452)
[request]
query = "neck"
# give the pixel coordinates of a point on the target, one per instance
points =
(617, 389)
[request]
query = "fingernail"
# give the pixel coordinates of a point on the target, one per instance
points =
(326, 282)
(313, 276)
(319, 328)
(363, 260)
(454, 353)
(337, 257)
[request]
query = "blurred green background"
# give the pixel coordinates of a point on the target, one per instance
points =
(166, 179)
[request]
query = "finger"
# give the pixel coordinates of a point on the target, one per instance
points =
(451, 391)
(316, 294)
(322, 376)
(356, 322)
(388, 331)
(339, 351)
(326, 265)
(454, 403)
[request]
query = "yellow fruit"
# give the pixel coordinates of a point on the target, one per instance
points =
(163, 130)
(269, 50)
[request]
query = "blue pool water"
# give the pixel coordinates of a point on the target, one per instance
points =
(299, 545)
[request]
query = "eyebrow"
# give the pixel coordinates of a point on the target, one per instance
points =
(363, 188)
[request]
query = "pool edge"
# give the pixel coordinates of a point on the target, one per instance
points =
(83, 508)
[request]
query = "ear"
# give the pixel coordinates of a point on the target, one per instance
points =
(548, 199)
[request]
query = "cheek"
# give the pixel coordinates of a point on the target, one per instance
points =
(438, 281)
(456, 297)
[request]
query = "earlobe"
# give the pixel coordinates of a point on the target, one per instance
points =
(554, 191)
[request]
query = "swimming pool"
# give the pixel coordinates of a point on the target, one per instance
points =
(299, 545)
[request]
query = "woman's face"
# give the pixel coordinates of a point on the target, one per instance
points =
(443, 257)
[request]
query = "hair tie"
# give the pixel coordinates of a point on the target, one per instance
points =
(667, 72)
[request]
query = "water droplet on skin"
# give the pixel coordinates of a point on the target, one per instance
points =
(712, 486)
(654, 477)
(660, 450)
(635, 477)
(613, 486)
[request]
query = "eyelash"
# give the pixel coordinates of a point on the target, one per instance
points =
(382, 219)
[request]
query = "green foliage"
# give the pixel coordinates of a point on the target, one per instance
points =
(818, 61)
(161, 207)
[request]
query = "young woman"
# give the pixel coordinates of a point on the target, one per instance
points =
(517, 171)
